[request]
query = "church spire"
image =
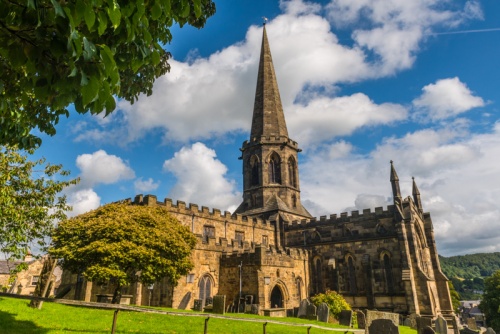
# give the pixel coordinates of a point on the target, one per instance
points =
(396, 192)
(268, 118)
(416, 195)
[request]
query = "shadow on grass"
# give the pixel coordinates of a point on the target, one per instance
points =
(10, 325)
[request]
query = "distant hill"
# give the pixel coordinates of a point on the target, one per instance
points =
(467, 272)
(471, 265)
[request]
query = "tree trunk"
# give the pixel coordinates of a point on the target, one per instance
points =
(42, 287)
(117, 295)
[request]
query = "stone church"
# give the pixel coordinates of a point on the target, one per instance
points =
(273, 253)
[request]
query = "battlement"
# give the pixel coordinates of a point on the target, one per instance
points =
(283, 140)
(344, 217)
(180, 207)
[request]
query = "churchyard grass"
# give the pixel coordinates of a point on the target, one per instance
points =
(17, 318)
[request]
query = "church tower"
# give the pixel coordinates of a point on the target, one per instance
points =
(270, 174)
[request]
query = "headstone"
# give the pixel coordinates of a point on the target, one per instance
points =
(467, 331)
(456, 325)
(373, 315)
(255, 309)
(490, 330)
(361, 320)
(383, 326)
(413, 320)
(428, 330)
(471, 323)
(198, 305)
(219, 304)
(323, 312)
(407, 322)
(311, 312)
(441, 325)
(345, 318)
(303, 308)
(423, 322)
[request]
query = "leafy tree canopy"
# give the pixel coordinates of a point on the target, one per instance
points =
(30, 200)
(124, 243)
(57, 52)
(490, 304)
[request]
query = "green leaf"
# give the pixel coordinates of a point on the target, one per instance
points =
(114, 14)
(155, 57)
(89, 49)
(197, 8)
(103, 23)
(156, 11)
(89, 16)
(57, 7)
(90, 91)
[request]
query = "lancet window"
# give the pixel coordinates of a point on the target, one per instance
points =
(292, 172)
(274, 169)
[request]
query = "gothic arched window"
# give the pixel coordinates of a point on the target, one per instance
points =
(388, 274)
(292, 172)
(274, 169)
(205, 288)
(254, 171)
(351, 275)
(319, 278)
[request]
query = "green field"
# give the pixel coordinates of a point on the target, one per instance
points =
(17, 318)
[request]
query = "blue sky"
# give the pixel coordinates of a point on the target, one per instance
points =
(362, 82)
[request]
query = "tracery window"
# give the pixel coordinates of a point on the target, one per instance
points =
(351, 276)
(292, 172)
(205, 288)
(254, 171)
(274, 169)
(388, 274)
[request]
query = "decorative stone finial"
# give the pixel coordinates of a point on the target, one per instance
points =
(264, 19)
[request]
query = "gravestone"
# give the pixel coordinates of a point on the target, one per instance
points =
(323, 312)
(311, 312)
(490, 330)
(413, 320)
(361, 320)
(219, 304)
(303, 308)
(427, 330)
(441, 325)
(345, 318)
(383, 326)
(198, 305)
(471, 323)
(255, 309)
(467, 331)
(373, 315)
(407, 322)
(423, 322)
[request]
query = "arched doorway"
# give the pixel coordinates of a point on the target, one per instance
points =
(276, 297)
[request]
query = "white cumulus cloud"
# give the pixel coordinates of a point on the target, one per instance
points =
(144, 186)
(201, 178)
(446, 98)
(101, 167)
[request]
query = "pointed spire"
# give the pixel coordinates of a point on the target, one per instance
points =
(396, 192)
(416, 195)
(268, 118)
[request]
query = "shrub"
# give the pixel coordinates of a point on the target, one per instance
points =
(335, 302)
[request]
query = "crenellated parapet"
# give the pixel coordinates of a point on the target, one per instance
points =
(194, 210)
(345, 227)
(355, 217)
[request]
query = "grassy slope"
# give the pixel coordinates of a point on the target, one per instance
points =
(17, 318)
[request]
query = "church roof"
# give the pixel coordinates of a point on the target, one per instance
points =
(268, 118)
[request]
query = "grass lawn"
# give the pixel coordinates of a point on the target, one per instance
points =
(16, 317)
